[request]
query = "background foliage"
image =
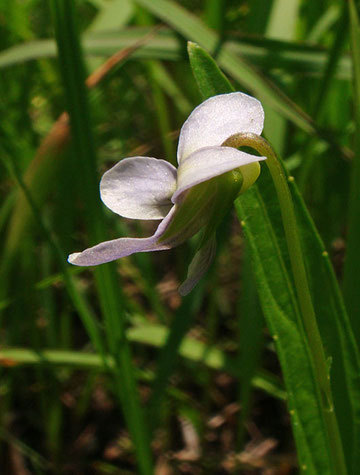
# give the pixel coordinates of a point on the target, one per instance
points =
(95, 363)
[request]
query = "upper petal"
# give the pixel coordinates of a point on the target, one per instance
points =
(216, 119)
(207, 163)
(139, 187)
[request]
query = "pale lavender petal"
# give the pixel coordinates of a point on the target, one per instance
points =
(199, 265)
(207, 163)
(122, 247)
(139, 188)
(216, 119)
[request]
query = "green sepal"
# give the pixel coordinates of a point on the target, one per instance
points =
(210, 80)
(204, 204)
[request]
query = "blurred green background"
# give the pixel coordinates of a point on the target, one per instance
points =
(88, 355)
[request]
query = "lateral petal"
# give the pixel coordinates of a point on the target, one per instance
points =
(115, 249)
(216, 119)
(139, 188)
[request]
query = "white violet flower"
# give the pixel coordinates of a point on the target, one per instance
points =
(192, 197)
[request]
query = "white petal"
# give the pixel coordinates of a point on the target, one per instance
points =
(115, 249)
(199, 265)
(139, 188)
(216, 119)
(207, 163)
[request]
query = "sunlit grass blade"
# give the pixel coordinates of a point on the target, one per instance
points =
(328, 78)
(324, 23)
(73, 75)
(194, 30)
(150, 335)
(290, 57)
(282, 19)
(162, 114)
(249, 77)
(113, 15)
(281, 26)
(335, 54)
(171, 88)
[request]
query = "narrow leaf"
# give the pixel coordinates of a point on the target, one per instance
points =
(352, 258)
(259, 212)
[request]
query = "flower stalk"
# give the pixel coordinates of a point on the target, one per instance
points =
(307, 320)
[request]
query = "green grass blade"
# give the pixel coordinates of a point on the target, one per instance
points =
(324, 23)
(85, 312)
(194, 30)
(113, 15)
(214, 14)
(291, 57)
(151, 335)
(73, 75)
(168, 357)
(351, 283)
(282, 19)
(335, 53)
(327, 80)
(281, 25)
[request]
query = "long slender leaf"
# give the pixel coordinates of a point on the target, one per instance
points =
(261, 220)
(336, 331)
(280, 307)
(352, 258)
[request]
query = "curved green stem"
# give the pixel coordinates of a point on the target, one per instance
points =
(307, 318)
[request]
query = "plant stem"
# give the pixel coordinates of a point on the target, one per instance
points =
(307, 319)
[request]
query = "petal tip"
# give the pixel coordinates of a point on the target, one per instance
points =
(72, 258)
(185, 289)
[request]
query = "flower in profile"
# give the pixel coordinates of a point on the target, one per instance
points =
(193, 197)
